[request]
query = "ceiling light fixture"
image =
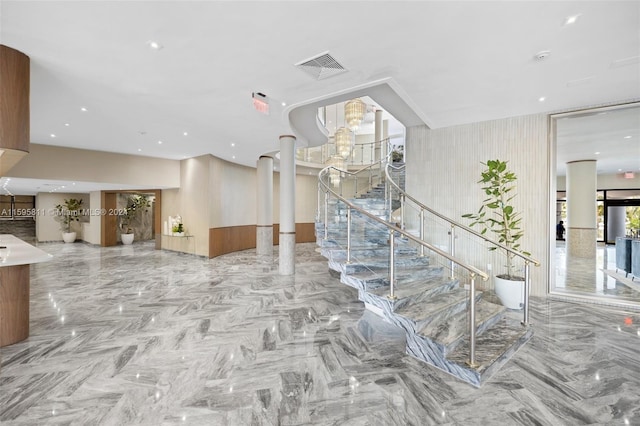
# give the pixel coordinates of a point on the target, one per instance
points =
(139, 149)
(185, 134)
(571, 19)
(344, 142)
(542, 55)
(233, 144)
(541, 99)
(284, 104)
(66, 124)
(159, 142)
(628, 137)
(354, 111)
(52, 135)
(154, 45)
(337, 165)
(83, 109)
(597, 152)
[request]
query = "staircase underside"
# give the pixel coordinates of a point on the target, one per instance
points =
(429, 306)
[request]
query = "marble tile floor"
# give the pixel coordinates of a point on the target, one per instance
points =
(594, 277)
(128, 335)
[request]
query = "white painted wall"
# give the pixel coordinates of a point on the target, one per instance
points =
(443, 167)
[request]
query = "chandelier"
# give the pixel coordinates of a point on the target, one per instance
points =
(354, 111)
(338, 165)
(344, 142)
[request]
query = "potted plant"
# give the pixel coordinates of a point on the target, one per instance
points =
(135, 205)
(497, 214)
(397, 154)
(66, 213)
(178, 229)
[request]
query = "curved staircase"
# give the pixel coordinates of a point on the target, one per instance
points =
(430, 306)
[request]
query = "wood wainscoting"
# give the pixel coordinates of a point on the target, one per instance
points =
(14, 304)
(235, 238)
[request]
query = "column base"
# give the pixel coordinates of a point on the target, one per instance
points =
(581, 242)
(287, 261)
(264, 240)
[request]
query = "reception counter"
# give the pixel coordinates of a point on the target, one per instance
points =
(15, 258)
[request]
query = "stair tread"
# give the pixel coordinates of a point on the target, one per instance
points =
(493, 344)
(428, 307)
(411, 288)
(447, 333)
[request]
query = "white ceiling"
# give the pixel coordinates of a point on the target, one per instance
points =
(452, 62)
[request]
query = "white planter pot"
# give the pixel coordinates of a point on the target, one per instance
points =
(126, 238)
(68, 237)
(510, 293)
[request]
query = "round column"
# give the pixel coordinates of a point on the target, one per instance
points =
(287, 260)
(382, 150)
(264, 227)
(581, 208)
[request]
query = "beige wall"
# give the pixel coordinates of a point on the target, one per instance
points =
(47, 227)
(191, 202)
(57, 163)
(91, 229)
(443, 167)
(616, 181)
(233, 194)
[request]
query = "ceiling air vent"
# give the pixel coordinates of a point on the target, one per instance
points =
(321, 66)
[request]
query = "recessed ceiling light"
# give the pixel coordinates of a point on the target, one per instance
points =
(233, 157)
(233, 144)
(597, 152)
(139, 149)
(83, 109)
(52, 135)
(541, 99)
(154, 45)
(159, 142)
(284, 104)
(571, 19)
(628, 137)
(186, 134)
(66, 124)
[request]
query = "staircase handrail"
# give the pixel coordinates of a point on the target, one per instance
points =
(472, 269)
(453, 222)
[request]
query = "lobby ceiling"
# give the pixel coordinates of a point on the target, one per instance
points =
(99, 82)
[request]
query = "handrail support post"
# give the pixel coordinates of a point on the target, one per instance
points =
(348, 235)
(392, 266)
(421, 231)
(452, 249)
(472, 322)
(527, 289)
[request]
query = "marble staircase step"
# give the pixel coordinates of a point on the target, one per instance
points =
(434, 308)
(448, 335)
(371, 263)
(494, 347)
(371, 279)
(359, 254)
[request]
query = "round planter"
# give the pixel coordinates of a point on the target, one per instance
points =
(126, 238)
(68, 237)
(510, 292)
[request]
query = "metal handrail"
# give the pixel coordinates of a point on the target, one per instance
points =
(527, 259)
(392, 227)
(474, 272)
(457, 224)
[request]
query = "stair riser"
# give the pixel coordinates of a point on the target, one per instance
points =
(441, 316)
(341, 255)
(365, 264)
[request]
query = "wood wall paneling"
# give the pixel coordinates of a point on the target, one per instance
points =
(14, 99)
(109, 223)
(235, 238)
(14, 304)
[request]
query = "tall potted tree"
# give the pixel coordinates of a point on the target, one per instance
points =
(497, 214)
(136, 204)
(66, 214)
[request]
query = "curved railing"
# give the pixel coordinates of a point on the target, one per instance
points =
(362, 154)
(325, 184)
(404, 196)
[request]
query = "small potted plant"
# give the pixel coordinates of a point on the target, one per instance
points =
(497, 214)
(136, 204)
(67, 213)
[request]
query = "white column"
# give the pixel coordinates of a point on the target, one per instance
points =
(264, 226)
(378, 135)
(581, 209)
(287, 261)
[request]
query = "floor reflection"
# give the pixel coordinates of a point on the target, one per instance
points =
(594, 277)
